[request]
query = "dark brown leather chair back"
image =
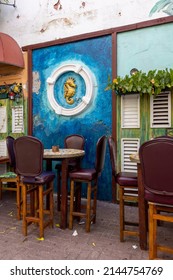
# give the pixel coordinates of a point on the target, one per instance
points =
(10, 149)
(113, 156)
(29, 156)
(100, 154)
(74, 141)
(156, 157)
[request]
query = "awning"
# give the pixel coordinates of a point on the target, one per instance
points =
(10, 52)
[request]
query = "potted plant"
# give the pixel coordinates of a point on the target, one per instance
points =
(152, 82)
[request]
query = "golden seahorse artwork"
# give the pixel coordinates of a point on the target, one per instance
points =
(69, 90)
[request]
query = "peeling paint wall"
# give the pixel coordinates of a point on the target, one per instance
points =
(38, 21)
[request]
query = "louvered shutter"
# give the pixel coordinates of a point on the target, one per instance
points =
(160, 110)
(130, 111)
(129, 146)
(3, 119)
(17, 119)
(3, 152)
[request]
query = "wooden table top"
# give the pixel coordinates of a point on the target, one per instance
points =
(135, 157)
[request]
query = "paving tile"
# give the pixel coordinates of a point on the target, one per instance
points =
(102, 243)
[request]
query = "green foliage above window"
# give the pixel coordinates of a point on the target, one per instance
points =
(152, 82)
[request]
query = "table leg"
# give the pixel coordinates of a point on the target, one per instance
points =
(143, 219)
(64, 193)
(48, 168)
(48, 164)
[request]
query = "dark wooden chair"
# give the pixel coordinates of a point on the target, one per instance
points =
(34, 183)
(128, 192)
(9, 181)
(156, 158)
(89, 177)
(73, 141)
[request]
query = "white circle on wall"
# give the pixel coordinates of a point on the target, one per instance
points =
(88, 78)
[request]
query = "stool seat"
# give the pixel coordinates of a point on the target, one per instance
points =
(126, 178)
(84, 174)
(44, 178)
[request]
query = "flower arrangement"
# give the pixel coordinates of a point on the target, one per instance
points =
(152, 82)
(12, 92)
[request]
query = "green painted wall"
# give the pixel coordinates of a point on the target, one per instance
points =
(145, 49)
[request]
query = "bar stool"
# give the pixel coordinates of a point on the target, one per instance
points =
(11, 178)
(73, 141)
(34, 182)
(128, 192)
(90, 177)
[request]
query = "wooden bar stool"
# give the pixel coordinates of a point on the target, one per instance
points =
(89, 177)
(9, 181)
(35, 183)
(128, 192)
(73, 141)
(156, 158)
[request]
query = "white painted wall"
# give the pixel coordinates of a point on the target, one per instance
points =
(35, 21)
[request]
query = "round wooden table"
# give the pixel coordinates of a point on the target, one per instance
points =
(64, 155)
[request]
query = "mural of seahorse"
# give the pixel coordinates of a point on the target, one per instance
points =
(165, 6)
(69, 90)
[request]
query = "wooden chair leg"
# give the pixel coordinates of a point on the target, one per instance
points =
(59, 190)
(18, 200)
(152, 233)
(71, 204)
(121, 207)
(0, 189)
(51, 204)
(24, 198)
(41, 213)
(77, 199)
(95, 204)
(88, 208)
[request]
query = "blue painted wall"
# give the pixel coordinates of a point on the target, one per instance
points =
(93, 122)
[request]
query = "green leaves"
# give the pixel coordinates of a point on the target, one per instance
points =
(152, 82)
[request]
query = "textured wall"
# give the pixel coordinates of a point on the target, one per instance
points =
(44, 20)
(95, 120)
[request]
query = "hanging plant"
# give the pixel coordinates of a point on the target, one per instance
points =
(11, 91)
(152, 82)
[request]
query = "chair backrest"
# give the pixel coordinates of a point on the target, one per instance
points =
(10, 149)
(29, 156)
(112, 151)
(100, 153)
(156, 158)
(74, 141)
